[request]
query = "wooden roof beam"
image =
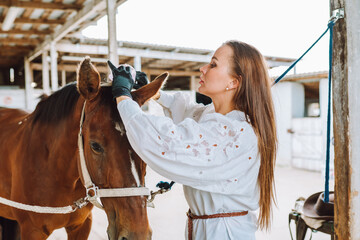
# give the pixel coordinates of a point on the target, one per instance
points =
(86, 12)
(131, 52)
(10, 18)
(21, 41)
(40, 5)
(27, 32)
(37, 21)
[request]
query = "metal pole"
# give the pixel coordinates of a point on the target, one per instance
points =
(54, 71)
(45, 73)
(112, 41)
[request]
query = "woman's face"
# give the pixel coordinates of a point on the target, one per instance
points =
(215, 76)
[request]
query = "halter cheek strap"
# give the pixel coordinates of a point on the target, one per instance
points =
(92, 191)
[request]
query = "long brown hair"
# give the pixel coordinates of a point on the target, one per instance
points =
(253, 97)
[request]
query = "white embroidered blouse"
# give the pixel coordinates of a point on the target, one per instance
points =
(214, 156)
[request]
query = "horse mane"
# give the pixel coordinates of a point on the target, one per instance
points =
(57, 106)
(61, 104)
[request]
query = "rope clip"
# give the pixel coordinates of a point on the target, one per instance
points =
(337, 14)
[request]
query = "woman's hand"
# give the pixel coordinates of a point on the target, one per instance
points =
(140, 80)
(123, 80)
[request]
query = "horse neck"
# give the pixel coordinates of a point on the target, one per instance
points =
(60, 140)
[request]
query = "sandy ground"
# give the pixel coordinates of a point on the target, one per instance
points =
(168, 218)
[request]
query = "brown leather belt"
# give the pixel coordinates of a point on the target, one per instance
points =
(218, 215)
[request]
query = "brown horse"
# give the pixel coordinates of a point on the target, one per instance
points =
(39, 160)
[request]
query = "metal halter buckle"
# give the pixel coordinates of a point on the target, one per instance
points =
(94, 189)
(82, 202)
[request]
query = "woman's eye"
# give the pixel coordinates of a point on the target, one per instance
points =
(96, 147)
(212, 65)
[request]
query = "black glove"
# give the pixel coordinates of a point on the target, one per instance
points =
(140, 80)
(122, 80)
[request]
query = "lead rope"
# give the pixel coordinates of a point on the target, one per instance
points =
(337, 14)
(39, 209)
(327, 162)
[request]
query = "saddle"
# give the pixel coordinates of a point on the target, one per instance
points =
(313, 213)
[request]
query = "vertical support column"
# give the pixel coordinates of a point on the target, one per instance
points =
(137, 63)
(352, 8)
(193, 87)
(45, 73)
(54, 71)
(112, 42)
(342, 139)
(63, 78)
(28, 87)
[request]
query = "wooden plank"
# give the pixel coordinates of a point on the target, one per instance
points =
(131, 52)
(305, 76)
(20, 41)
(40, 5)
(15, 48)
(37, 21)
(341, 126)
(104, 69)
(27, 13)
(27, 32)
(171, 72)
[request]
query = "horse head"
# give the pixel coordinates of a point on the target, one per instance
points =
(110, 160)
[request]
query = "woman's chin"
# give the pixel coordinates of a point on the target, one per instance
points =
(201, 90)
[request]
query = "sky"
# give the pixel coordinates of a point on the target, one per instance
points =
(281, 28)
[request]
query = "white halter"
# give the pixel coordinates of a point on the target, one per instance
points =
(92, 191)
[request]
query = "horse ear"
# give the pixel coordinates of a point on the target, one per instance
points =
(88, 79)
(146, 92)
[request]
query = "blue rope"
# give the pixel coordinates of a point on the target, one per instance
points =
(327, 167)
(166, 185)
(294, 63)
(327, 161)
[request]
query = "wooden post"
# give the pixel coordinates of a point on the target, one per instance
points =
(112, 42)
(45, 73)
(137, 63)
(63, 78)
(54, 70)
(193, 87)
(345, 71)
(28, 87)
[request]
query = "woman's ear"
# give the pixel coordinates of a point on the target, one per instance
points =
(235, 83)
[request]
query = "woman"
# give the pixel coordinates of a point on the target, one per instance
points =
(223, 153)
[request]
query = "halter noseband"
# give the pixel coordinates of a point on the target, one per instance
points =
(92, 191)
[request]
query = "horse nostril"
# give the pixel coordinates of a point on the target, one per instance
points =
(123, 238)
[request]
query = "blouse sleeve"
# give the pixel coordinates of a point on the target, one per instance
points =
(191, 153)
(177, 106)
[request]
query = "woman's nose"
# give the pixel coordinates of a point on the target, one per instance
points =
(203, 69)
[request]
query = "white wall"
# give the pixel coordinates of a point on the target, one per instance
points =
(289, 101)
(14, 97)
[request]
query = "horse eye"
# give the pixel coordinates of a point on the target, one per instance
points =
(96, 147)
